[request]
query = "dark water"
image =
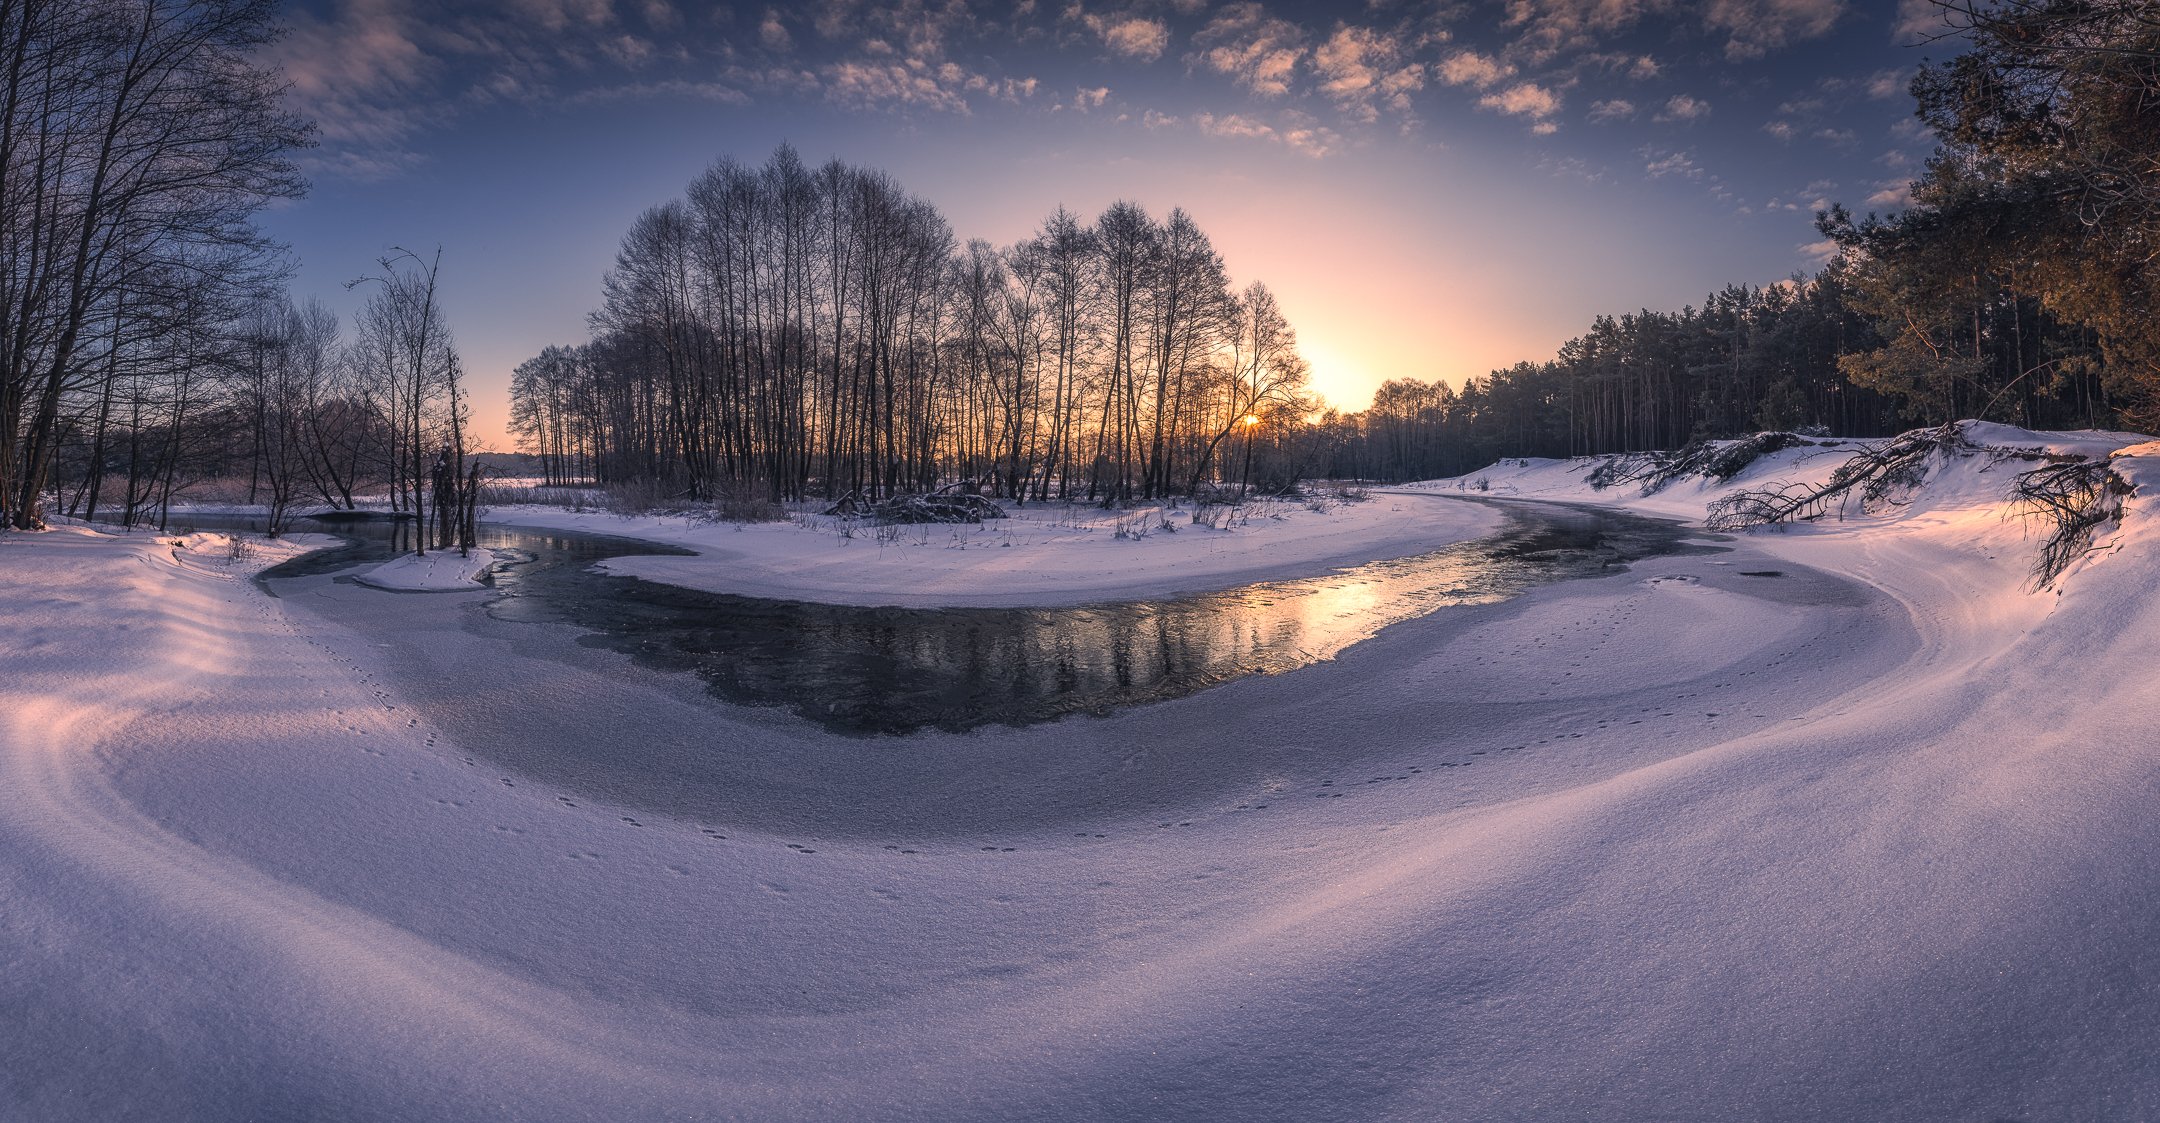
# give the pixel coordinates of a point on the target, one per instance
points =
(894, 670)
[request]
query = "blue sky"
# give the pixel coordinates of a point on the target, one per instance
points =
(1434, 190)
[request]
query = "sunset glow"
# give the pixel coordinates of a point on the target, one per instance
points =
(1430, 196)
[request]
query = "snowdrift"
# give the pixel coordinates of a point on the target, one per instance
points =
(1852, 821)
(439, 572)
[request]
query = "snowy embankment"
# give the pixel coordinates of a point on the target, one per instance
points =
(1844, 823)
(442, 571)
(1041, 555)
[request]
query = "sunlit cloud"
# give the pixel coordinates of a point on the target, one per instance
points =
(914, 83)
(1085, 99)
(1469, 68)
(1258, 52)
(1295, 132)
(1523, 99)
(1684, 108)
(1612, 109)
(1361, 69)
(1133, 37)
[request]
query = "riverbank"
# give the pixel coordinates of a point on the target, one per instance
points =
(1842, 823)
(1042, 555)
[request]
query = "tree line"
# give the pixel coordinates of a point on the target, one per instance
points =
(789, 331)
(2019, 286)
(147, 342)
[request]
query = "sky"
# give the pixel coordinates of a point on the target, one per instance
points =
(1433, 189)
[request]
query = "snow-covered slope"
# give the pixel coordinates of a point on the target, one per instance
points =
(1867, 839)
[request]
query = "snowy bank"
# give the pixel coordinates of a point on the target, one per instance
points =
(440, 571)
(1041, 555)
(1844, 823)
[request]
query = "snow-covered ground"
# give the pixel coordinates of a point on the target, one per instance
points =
(434, 572)
(1870, 838)
(1041, 555)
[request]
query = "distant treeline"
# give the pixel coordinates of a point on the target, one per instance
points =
(2020, 285)
(790, 331)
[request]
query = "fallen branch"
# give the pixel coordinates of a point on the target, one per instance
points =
(936, 508)
(2075, 499)
(1877, 475)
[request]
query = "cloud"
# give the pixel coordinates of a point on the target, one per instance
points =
(1919, 21)
(676, 89)
(1615, 109)
(1133, 37)
(860, 84)
(1756, 27)
(1085, 99)
(627, 51)
(1469, 68)
(1296, 132)
(1684, 108)
(359, 76)
(1782, 130)
(1842, 138)
(1551, 27)
(1360, 67)
(1545, 128)
(1523, 99)
(1680, 164)
(1257, 52)
(774, 34)
(1887, 84)
(1818, 253)
(556, 15)
(1896, 193)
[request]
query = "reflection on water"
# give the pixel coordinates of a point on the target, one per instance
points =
(894, 670)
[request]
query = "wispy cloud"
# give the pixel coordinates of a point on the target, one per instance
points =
(1661, 165)
(1753, 28)
(1523, 99)
(1469, 68)
(1684, 108)
(1258, 52)
(1134, 37)
(1362, 70)
(1294, 131)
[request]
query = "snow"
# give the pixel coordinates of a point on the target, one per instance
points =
(435, 572)
(1870, 839)
(1054, 555)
